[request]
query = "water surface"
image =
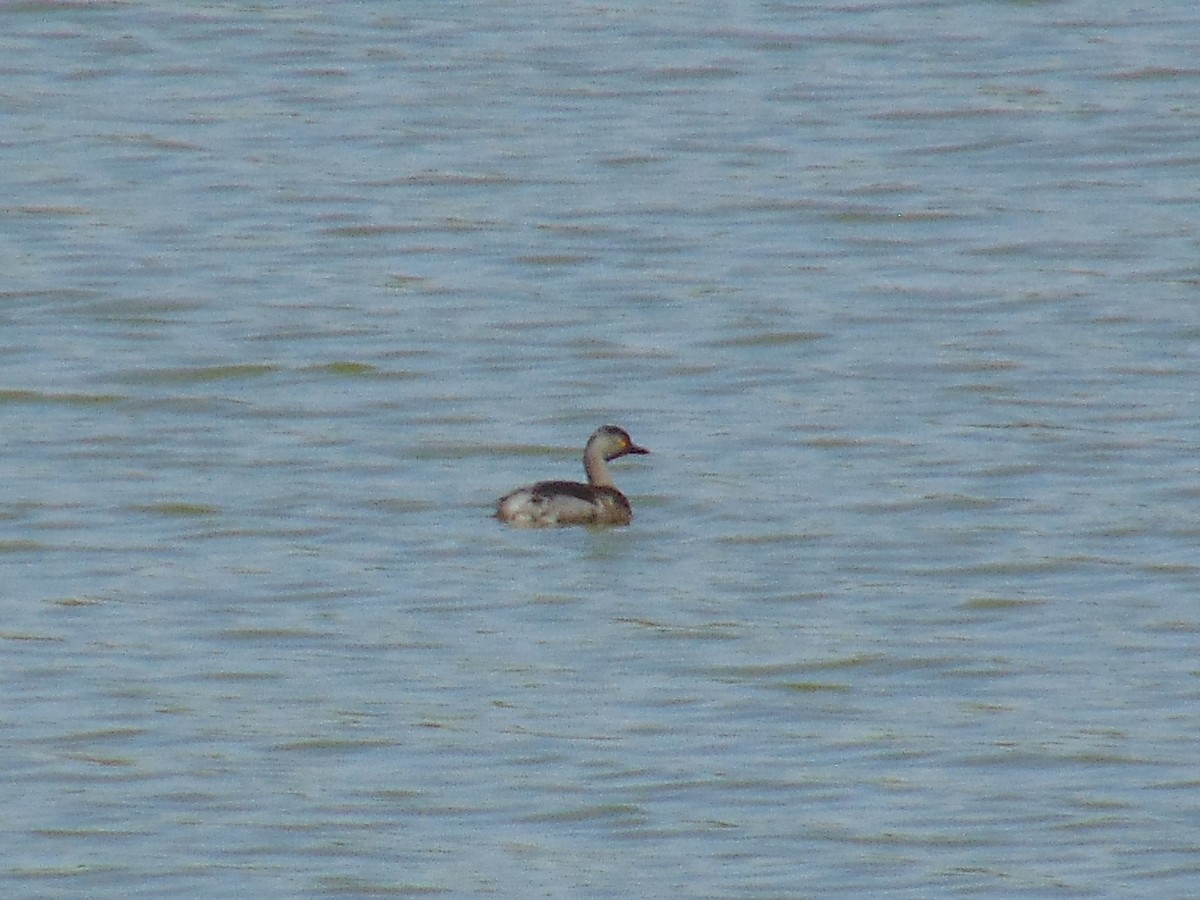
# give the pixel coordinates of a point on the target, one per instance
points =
(901, 296)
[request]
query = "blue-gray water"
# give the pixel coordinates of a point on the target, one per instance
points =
(905, 298)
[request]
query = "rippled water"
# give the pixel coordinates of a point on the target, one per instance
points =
(902, 297)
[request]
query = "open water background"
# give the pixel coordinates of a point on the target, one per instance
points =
(904, 296)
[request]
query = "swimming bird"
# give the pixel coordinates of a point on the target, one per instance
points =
(570, 503)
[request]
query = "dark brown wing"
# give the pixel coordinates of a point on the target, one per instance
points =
(575, 489)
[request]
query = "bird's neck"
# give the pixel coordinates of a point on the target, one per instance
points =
(596, 468)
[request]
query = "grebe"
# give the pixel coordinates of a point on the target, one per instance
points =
(570, 503)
